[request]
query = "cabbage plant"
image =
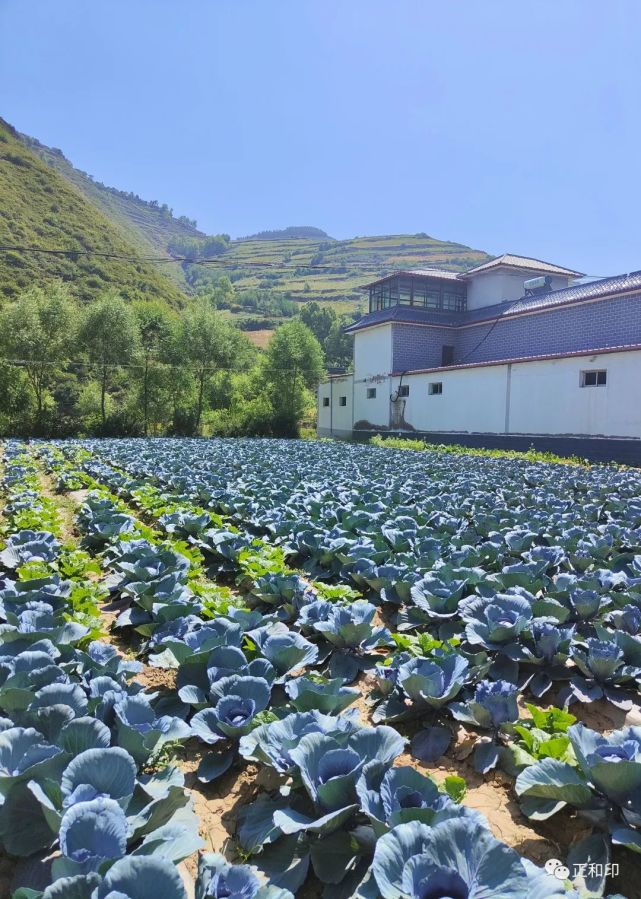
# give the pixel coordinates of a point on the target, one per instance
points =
(459, 859)
(604, 673)
(492, 706)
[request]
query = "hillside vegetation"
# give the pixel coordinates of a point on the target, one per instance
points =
(331, 270)
(38, 207)
(301, 263)
(149, 226)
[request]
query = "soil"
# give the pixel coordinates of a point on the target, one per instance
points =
(217, 805)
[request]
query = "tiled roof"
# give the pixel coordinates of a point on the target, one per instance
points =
(419, 273)
(407, 314)
(581, 292)
(536, 265)
(592, 291)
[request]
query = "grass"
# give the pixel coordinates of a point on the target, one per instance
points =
(531, 455)
(38, 207)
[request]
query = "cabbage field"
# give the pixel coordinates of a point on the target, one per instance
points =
(262, 668)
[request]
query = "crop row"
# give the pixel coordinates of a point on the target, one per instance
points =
(90, 809)
(290, 618)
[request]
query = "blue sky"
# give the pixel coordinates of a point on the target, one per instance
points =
(508, 126)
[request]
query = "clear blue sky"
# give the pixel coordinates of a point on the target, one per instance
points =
(509, 126)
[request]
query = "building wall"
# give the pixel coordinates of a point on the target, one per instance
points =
(336, 420)
(495, 286)
(543, 397)
(373, 352)
(546, 397)
(565, 329)
(372, 412)
(418, 347)
(473, 399)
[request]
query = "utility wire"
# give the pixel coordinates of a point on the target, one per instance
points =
(221, 261)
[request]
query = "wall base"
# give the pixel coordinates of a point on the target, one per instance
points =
(626, 450)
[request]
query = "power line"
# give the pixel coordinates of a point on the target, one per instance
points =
(221, 261)
(141, 365)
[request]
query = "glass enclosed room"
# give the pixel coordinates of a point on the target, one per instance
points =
(434, 290)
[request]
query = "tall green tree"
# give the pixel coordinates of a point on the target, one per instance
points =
(110, 335)
(210, 344)
(38, 329)
(319, 319)
(155, 329)
(292, 367)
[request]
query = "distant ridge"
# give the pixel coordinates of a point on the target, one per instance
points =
(291, 233)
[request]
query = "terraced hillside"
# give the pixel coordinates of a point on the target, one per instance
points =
(310, 267)
(38, 207)
(148, 226)
(334, 270)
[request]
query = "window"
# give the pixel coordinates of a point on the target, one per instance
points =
(435, 388)
(371, 393)
(404, 390)
(453, 302)
(325, 401)
(447, 354)
(594, 377)
(342, 401)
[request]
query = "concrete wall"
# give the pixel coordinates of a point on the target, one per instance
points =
(472, 400)
(373, 352)
(336, 420)
(372, 411)
(544, 398)
(496, 285)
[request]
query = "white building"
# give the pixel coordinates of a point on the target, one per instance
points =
(515, 352)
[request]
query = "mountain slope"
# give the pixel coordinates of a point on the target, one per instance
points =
(38, 207)
(301, 262)
(335, 270)
(148, 226)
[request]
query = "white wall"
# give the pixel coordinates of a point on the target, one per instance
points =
(473, 399)
(336, 419)
(496, 285)
(373, 352)
(543, 397)
(546, 397)
(374, 411)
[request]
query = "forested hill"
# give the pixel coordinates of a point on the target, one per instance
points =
(38, 207)
(299, 263)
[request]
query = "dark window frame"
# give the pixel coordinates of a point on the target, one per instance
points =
(403, 390)
(435, 388)
(371, 393)
(594, 377)
(342, 401)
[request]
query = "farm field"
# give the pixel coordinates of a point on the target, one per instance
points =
(262, 668)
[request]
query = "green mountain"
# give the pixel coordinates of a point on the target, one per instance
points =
(324, 269)
(150, 227)
(302, 263)
(40, 208)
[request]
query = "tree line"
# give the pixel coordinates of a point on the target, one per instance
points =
(124, 369)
